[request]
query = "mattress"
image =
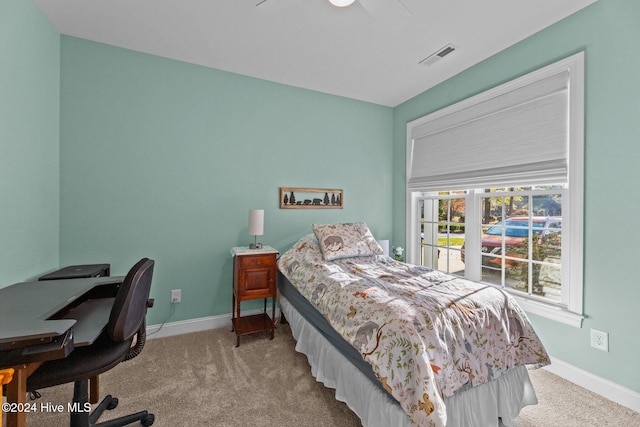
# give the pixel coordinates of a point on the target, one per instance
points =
(496, 403)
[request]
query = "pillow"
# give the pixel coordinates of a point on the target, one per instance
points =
(346, 240)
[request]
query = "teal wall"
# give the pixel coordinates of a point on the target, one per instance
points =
(164, 159)
(108, 155)
(29, 142)
(608, 31)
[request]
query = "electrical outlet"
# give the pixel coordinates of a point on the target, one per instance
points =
(176, 296)
(600, 340)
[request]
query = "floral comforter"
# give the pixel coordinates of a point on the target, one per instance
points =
(426, 334)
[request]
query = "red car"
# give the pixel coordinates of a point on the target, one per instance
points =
(515, 234)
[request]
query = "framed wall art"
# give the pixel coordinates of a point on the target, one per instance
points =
(310, 198)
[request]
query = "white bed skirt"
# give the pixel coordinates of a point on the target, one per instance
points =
(492, 404)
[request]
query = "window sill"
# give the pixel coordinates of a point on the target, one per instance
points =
(558, 314)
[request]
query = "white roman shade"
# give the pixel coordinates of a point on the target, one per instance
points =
(516, 133)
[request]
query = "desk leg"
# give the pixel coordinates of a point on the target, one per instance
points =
(94, 389)
(17, 393)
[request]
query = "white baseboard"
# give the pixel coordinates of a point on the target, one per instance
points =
(601, 386)
(196, 325)
(605, 388)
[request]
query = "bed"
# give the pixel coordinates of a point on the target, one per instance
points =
(405, 345)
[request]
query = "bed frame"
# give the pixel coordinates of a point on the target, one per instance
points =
(332, 360)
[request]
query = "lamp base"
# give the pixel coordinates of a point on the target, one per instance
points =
(255, 246)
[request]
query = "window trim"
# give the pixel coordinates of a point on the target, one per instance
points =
(573, 209)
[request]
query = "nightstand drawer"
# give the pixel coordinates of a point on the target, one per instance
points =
(252, 261)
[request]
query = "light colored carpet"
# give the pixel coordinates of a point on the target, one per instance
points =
(202, 379)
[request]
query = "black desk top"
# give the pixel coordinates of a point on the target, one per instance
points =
(26, 309)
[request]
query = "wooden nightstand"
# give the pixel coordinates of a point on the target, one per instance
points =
(254, 277)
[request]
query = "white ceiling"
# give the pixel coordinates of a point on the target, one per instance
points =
(367, 51)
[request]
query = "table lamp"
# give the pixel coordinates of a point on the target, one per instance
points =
(256, 226)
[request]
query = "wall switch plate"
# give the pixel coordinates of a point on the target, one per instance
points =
(176, 296)
(600, 340)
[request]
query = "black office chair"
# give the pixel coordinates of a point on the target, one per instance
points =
(126, 323)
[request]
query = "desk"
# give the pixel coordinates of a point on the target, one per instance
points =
(45, 320)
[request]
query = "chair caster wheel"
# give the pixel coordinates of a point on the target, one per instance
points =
(148, 420)
(112, 404)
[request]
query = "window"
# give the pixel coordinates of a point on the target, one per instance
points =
(519, 233)
(494, 189)
(521, 240)
(442, 228)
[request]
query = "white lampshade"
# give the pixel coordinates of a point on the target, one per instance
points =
(341, 3)
(385, 246)
(256, 222)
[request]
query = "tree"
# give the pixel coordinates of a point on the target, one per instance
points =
(544, 248)
(487, 211)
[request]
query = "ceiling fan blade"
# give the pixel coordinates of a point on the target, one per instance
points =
(394, 9)
(275, 3)
(417, 7)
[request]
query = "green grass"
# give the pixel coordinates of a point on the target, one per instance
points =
(453, 241)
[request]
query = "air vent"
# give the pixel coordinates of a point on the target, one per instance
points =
(441, 53)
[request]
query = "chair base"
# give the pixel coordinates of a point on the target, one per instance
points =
(82, 418)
